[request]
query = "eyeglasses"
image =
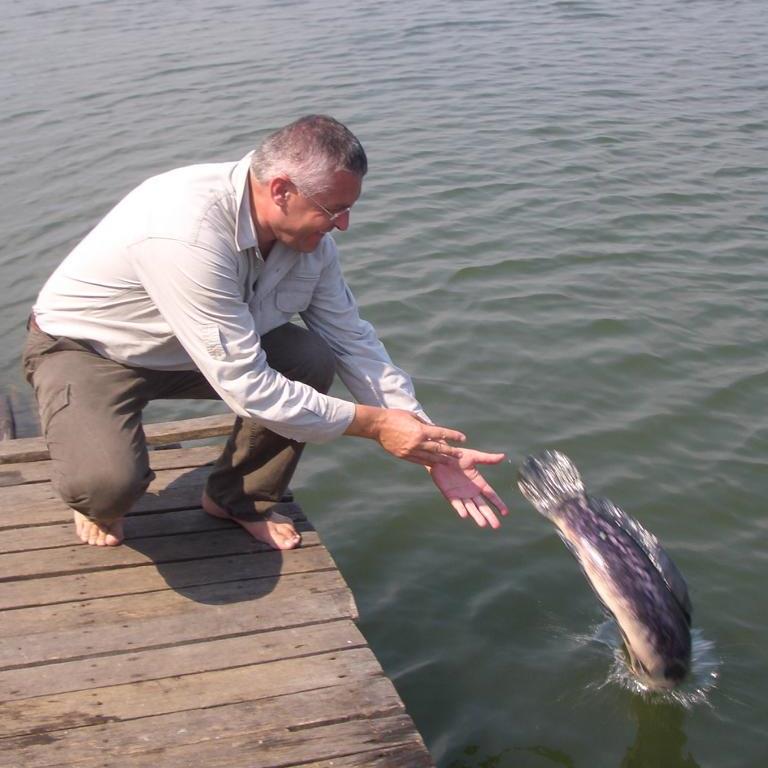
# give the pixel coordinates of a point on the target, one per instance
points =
(332, 217)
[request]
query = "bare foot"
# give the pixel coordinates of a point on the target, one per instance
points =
(96, 534)
(275, 529)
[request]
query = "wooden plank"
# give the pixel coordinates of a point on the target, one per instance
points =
(190, 644)
(410, 754)
(52, 590)
(259, 595)
(13, 474)
(119, 743)
(183, 493)
(138, 524)
(34, 537)
(137, 551)
(156, 549)
(159, 619)
(280, 748)
(39, 504)
(205, 656)
(160, 433)
(40, 471)
(246, 682)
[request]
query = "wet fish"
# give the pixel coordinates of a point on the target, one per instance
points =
(625, 565)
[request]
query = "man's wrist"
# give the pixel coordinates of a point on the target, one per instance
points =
(367, 422)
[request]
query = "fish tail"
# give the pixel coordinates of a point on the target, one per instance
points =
(548, 480)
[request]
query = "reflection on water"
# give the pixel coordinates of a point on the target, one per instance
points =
(510, 756)
(660, 742)
(660, 739)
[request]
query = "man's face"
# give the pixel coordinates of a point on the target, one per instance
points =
(307, 218)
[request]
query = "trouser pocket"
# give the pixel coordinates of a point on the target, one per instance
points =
(56, 402)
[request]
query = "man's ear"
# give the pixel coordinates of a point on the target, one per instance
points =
(279, 189)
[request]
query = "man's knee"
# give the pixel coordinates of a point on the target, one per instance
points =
(104, 493)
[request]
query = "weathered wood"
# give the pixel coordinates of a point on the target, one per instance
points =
(363, 698)
(48, 536)
(409, 754)
(50, 590)
(286, 747)
(45, 679)
(158, 549)
(190, 644)
(137, 526)
(159, 696)
(157, 632)
(39, 504)
(180, 610)
(161, 433)
(117, 743)
(171, 458)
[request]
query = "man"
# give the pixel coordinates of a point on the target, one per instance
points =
(185, 290)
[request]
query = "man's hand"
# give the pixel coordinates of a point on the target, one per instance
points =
(466, 489)
(405, 436)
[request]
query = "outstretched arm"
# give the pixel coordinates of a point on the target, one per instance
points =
(405, 435)
(465, 488)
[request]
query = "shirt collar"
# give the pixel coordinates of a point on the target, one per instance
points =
(245, 230)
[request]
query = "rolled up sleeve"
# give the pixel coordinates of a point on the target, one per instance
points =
(197, 292)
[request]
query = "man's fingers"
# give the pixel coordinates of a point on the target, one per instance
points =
(459, 507)
(495, 499)
(475, 513)
(479, 510)
(479, 457)
(432, 454)
(430, 458)
(488, 514)
(489, 495)
(443, 448)
(444, 433)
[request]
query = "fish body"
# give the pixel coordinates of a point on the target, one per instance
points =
(625, 565)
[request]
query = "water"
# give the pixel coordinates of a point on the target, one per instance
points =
(562, 238)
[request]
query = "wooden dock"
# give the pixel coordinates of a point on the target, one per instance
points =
(190, 645)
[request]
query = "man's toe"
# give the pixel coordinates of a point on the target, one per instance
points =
(289, 538)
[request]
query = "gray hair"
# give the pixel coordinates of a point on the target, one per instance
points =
(309, 151)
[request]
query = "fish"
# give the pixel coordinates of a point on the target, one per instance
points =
(626, 566)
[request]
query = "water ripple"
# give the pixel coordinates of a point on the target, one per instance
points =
(562, 238)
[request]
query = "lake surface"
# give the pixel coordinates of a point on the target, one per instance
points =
(562, 238)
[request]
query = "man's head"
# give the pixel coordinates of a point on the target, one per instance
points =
(309, 151)
(306, 176)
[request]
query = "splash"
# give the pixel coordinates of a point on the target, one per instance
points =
(695, 690)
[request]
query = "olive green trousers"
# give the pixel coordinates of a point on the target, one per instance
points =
(91, 417)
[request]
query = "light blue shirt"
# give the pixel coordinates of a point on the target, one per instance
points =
(172, 279)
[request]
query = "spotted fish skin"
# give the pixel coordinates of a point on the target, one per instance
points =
(625, 565)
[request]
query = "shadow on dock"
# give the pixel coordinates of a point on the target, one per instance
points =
(190, 644)
(225, 569)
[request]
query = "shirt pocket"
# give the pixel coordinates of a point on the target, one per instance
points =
(294, 294)
(212, 340)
